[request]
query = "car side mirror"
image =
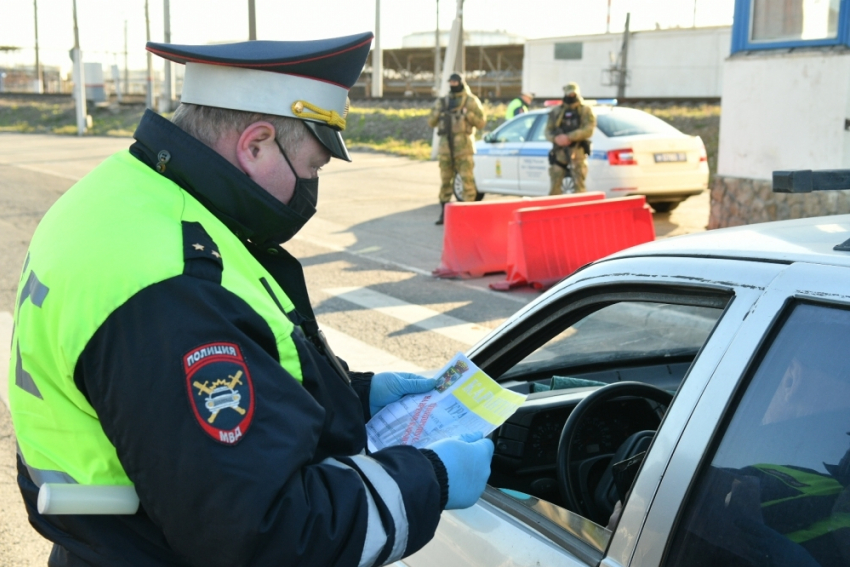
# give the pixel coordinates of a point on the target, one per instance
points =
(488, 137)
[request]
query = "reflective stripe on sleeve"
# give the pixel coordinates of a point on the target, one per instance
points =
(40, 476)
(376, 536)
(390, 494)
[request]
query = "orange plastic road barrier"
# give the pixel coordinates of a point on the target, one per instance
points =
(475, 237)
(547, 244)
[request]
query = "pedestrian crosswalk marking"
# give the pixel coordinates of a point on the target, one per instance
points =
(416, 315)
(362, 357)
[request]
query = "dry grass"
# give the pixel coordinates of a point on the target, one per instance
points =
(391, 126)
(56, 115)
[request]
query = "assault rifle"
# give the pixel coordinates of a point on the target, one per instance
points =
(446, 129)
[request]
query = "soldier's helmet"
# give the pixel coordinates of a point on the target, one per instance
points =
(571, 88)
(456, 77)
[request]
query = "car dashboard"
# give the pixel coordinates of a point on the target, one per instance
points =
(526, 445)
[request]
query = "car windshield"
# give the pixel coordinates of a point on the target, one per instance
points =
(628, 331)
(629, 122)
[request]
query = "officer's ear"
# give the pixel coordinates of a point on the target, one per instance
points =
(256, 148)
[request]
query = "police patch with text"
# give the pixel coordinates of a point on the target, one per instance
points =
(220, 390)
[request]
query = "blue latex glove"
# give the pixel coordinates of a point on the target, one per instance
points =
(388, 387)
(467, 461)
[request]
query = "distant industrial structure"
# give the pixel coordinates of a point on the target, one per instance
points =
(426, 38)
(676, 63)
(492, 59)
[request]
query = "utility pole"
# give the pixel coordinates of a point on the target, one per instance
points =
(126, 66)
(79, 80)
(624, 56)
(450, 65)
(252, 21)
(149, 81)
(39, 77)
(460, 62)
(377, 56)
(608, 19)
(695, 13)
(437, 52)
(166, 97)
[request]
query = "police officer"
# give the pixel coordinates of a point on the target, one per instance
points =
(164, 340)
(519, 105)
(456, 116)
(569, 127)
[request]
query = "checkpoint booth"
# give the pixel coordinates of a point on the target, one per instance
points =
(786, 87)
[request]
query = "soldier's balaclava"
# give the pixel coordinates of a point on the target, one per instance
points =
(459, 86)
(571, 94)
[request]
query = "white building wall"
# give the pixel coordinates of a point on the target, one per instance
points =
(784, 111)
(677, 63)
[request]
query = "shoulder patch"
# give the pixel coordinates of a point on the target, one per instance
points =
(221, 392)
(201, 258)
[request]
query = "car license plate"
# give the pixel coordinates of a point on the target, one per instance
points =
(667, 157)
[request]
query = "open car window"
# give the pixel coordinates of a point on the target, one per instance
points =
(777, 489)
(627, 331)
(569, 350)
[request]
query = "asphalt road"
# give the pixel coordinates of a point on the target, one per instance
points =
(368, 256)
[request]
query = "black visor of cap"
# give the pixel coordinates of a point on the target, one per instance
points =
(330, 138)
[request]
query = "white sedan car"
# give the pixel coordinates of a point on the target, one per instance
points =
(632, 153)
(691, 394)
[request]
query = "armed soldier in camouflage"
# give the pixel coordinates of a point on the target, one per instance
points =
(569, 128)
(456, 116)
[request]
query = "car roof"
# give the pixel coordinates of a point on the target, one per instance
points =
(801, 240)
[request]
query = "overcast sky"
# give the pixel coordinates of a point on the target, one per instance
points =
(101, 22)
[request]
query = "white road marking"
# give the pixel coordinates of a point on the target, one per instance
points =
(5, 354)
(422, 317)
(336, 237)
(363, 357)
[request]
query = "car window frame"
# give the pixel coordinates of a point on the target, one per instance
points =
(744, 280)
(799, 281)
(574, 307)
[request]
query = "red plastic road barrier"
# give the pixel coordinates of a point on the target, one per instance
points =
(475, 237)
(547, 244)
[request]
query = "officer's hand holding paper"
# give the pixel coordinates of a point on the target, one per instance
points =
(465, 400)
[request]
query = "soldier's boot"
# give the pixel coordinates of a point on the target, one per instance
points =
(442, 213)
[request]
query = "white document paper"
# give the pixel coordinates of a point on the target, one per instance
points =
(465, 400)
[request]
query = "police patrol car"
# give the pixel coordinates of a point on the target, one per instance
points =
(688, 404)
(632, 153)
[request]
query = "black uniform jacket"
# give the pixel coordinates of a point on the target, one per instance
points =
(268, 499)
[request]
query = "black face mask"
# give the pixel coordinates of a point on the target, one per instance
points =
(571, 99)
(305, 196)
(456, 88)
(301, 207)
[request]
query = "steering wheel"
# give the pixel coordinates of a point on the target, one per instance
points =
(575, 475)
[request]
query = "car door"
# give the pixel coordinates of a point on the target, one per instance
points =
(760, 474)
(664, 296)
(496, 164)
(534, 161)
